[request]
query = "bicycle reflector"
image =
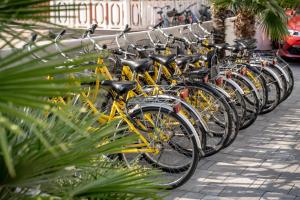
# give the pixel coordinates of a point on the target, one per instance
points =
(274, 61)
(229, 74)
(177, 107)
(244, 71)
(205, 79)
(264, 63)
(219, 81)
(184, 93)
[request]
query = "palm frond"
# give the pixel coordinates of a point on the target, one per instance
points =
(51, 150)
(270, 13)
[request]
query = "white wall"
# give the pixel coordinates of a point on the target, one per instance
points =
(113, 15)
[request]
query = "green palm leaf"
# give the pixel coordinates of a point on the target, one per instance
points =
(269, 13)
(50, 150)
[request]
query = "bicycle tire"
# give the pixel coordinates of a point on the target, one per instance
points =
(188, 168)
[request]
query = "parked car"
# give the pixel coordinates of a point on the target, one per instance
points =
(290, 48)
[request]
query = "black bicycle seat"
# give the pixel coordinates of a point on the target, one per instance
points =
(120, 87)
(165, 60)
(138, 66)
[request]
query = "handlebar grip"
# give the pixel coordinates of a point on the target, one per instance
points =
(117, 52)
(34, 37)
(127, 29)
(158, 25)
(93, 28)
(62, 33)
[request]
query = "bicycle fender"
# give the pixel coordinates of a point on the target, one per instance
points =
(194, 132)
(221, 90)
(283, 72)
(273, 74)
(190, 108)
(248, 81)
(235, 85)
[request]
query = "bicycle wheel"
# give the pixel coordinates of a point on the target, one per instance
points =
(285, 66)
(258, 80)
(215, 110)
(172, 134)
(235, 118)
(281, 63)
(236, 95)
(284, 80)
(188, 111)
(251, 99)
(273, 91)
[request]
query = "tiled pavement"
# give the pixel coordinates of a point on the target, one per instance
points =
(263, 163)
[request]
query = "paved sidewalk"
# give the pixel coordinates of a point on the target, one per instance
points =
(263, 163)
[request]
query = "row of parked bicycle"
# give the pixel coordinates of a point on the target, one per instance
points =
(176, 95)
(174, 17)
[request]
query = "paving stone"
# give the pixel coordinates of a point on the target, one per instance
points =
(215, 177)
(211, 197)
(193, 186)
(205, 164)
(227, 169)
(260, 172)
(212, 189)
(240, 192)
(192, 196)
(200, 175)
(295, 190)
(276, 185)
(175, 195)
(257, 183)
(277, 196)
(239, 181)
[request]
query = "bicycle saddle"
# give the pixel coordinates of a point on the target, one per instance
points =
(231, 47)
(182, 60)
(221, 46)
(138, 66)
(165, 60)
(217, 46)
(120, 87)
(197, 57)
(199, 74)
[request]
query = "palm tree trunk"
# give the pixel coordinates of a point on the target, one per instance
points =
(219, 26)
(219, 16)
(244, 24)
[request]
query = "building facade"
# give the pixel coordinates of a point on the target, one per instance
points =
(114, 14)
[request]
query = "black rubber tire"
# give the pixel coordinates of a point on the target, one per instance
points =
(251, 114)
(229, 126)
(263, 91)
(190, 168)
(284, 81)
(270, 106)
(291, 80)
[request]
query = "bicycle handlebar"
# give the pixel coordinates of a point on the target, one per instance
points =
(33, 38)
(60, 35)
(159, 24)
(126, 30)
